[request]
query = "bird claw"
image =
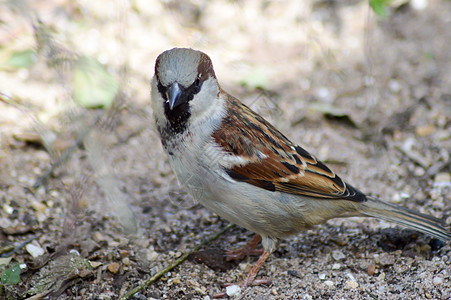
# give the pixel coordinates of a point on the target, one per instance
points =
(247, 250)
(241, 253)
(250, 278)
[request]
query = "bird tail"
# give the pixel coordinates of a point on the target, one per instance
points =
(404, 216)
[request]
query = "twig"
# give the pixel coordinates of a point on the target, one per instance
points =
(6, 249)
(175, 263)
(11, 252)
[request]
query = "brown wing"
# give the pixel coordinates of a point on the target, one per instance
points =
(273, 162)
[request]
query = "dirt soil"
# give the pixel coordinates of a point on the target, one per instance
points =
(369, 95)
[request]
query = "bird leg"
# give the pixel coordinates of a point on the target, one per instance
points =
(250, 278)
(246, 250)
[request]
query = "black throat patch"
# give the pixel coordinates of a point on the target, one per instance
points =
(178, 116)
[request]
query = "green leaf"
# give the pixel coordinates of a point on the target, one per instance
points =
(380, 7)
(255, 78)
(93, 86)
(21, 59)
(11, 275)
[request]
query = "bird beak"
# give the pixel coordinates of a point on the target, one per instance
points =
(173, 94)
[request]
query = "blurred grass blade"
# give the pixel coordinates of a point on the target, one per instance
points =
(93, 86)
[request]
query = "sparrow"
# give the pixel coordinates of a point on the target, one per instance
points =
(238, 165)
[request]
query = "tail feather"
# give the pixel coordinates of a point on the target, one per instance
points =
(404, 216)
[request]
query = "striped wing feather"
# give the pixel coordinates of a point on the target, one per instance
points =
(273, 162)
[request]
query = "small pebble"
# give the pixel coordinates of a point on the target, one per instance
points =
(418, 4)
(381, 277)
(193, 283)
(123, 253)
(176, 280)
(371, 269)
(352, 284)
(4, 261)
(437, 280)
(113, 244)
(425, 130)
(329, 283)
(404, 195)
(400, 268)
(341, 240)
(322, 276)
(126, 261)
(442, 180)
(274, 292)
(324, 94)
(113, 267)
(34, 250)
(385, 259)
(443, 177)
(233, 290)
(95, 264)
(98, 237)
(336, 266)
(419, 171)
(74, 252)
(338, 255)
(41, 217)
(151, 255)
(38, 206)
(394, 85)
(350, 276)
(8, 209)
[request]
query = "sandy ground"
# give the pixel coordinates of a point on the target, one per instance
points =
(370, 96)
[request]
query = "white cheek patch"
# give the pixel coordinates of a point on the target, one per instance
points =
(206, 104)
(157, 103)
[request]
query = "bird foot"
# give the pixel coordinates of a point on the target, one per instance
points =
(247, 250)
(250, 278)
